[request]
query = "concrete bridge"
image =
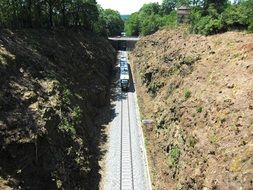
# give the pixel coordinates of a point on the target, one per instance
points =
(123, 43)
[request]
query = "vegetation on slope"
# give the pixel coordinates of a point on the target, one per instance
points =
(52, 87)
(198, 91)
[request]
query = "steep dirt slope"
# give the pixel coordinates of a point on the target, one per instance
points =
(52, 85)
(199, 92)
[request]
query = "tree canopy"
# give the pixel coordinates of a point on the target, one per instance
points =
(86, 14)
(48, 13)
(207, 16)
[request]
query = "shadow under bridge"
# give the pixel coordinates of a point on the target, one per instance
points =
(123, 43)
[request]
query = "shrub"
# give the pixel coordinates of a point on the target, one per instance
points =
(188, 60)
(199, 109)
(187, 94)
(77, 115)
(174, 156)
(66, 94)
(154, 86)
(66, 127)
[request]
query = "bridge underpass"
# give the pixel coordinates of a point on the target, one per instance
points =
(123, 43)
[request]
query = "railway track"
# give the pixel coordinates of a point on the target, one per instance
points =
(126, 158)
(126, 163)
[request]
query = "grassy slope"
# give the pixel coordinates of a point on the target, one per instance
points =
(52, 85)
(198, 90)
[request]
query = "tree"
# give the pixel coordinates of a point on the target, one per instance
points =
(150, 8)
(168, 6)
(132, 25)
(48, 13)
(219, 5)
(114, 23)
(150, 25)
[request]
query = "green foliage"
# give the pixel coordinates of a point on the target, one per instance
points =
(113, 22)
(66, 127)
(168, 6)
(154, 86)
(199, 109)
(150, 9)
(150, 24)
(174, 156)
(148, 20)
(187, 94)
(84, 14)
(132, 25)
(218, 5)
(66, 96)
(219, 16)
(250, 27)
(77, 115)
(48, 13)
(146, 141)
(169, 20)
(188, 60)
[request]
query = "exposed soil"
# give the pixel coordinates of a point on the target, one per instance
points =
(199, 92)
(53, 86)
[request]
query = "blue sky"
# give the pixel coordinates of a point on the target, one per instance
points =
(124, 6)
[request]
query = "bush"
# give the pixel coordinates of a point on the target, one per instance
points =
(207, 25)
(66, 127)
(154, 86)
(199, 109)
(187, 94)
(188, 60)
(174, 156)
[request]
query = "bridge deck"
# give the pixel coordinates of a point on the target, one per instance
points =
(124, 38)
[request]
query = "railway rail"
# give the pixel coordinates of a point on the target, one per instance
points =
(126, 162)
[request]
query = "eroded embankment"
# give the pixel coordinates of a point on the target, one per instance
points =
(199, 92)
(52, 85)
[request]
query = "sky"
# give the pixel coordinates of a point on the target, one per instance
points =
(125, 6)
